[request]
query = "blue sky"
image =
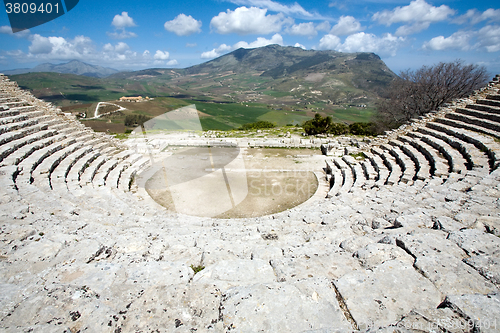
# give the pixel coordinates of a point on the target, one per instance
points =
(131, 34)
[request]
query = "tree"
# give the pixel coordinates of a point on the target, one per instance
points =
(416, 93)
(324, 125)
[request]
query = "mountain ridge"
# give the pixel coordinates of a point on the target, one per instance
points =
(72, 67)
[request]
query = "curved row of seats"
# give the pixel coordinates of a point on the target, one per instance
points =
(42, 149)
(445, 146)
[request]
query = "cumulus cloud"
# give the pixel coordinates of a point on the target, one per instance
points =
(276, 39)
(323, 26)
(345, 26)
(161, 55)
(458, 41)
(301, 46)
(123, 21)
(216, 52)
(486, 39)
(419, 14)
(61, 48)
(474, 17)
(489, 38)
(183, 25)
(294, 9)
(303, 29)
(5, 29)
(329, 42)
(245, 21)
(53, 48)
(384, 46)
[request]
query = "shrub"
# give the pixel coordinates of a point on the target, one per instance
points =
(262, 124)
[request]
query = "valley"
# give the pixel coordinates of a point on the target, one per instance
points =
(283, 85)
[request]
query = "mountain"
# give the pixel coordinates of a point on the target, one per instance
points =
(281, 78)
(72, 67)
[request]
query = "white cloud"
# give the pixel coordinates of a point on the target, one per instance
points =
(172, 62)
(324, 26)
(303, 29)
(259, 42)
(60, 48)
(414, 28)
(329, 42)
(161, 55)
(474, 17)
(216, 52)
(245, 20)
(120, 22)
(121, 35)
(294, 9)
(458, 41)
(345, 26)
(301, 46)
(384, 46)
(419, 14)
(489, 38)
(123, 21)
(183, 25)
(5, 29)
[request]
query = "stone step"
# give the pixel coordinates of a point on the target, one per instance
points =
(346, 171)
(470, 153)
(485, 144)
(422, 166)
(456, 161)
(127, 177)
(491, 102)
(464, 125)
(379, 166)
(114, 175)
(370, 173)
(474, 121)
(495, 97)
(9, 148)
(395, 171)
(480, 114)
(437, 163)
(29, 164)
(41, 176)
(60, 173)
(46, 168)
(78, 170)
(40, 139)
(356, 170)
(105, 169)
(404, 161)
(482, 107)
(336, 182)
(18, 125)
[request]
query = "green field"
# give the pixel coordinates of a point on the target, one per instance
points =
(225, 101)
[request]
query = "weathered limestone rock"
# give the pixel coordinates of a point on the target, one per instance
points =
(383, 296)
(488, 266)
(240, 272)
(305, 305)
(377, 253)
(475, 242)
(481, 311)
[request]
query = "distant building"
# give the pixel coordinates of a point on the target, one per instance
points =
(131, 99)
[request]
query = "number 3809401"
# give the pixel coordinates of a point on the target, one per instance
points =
(31, 8)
